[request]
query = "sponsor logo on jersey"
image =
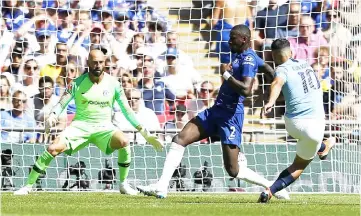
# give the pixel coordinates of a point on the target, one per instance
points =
(105, 92)
(99, 103)
(248, 60)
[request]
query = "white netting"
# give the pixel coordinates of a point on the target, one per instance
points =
(53, 38)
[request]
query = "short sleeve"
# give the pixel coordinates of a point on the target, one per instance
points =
(249, 66)
(281, 72)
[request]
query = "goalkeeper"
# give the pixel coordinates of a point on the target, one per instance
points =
(94, 93)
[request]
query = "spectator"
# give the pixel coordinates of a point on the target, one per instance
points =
(155, 92)
(203, 101)
(53, 70)
(111, 67)
(291, 29)
(120, 40)
(66, 28)
(15, 61)
(107, 19)
(334, 87)
(51, 7)
(323, 58)
(13, 14)
(140, 13)
(269, 19)
(227, 14)
(29, 77)
(180, 80)
(350, 109)
(179, 121)
(127, 81)
(147, 115)
(172, 42)
(137, 41)
(156, 40)
(17, 119)
(336, 34)
(122, 33)
(305, 45)
(80, 40)
(45, 101)
(324, 80)
(66, 76)
(44, 55)
(108, 6)
(317, 10)
(6, 42)
(33, 6)
(142, 56)
(5, 98)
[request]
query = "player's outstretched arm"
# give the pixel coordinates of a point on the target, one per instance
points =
(130, 116)
(276, 88)
(58, 109)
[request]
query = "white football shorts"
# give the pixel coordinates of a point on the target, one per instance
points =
(309, 132)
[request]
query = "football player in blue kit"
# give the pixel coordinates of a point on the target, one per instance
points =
(224, 118)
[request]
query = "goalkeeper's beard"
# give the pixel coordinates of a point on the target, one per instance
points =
(96, 72)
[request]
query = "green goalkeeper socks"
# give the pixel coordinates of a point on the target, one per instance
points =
(124, 159)
(40, 165)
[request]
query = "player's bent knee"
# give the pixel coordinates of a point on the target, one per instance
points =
(179, 139)
(232, 171)
(118, 140)
(56, 147)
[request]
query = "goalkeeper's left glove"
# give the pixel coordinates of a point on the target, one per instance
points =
(152, 139)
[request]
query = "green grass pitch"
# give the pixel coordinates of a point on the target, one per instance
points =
(109, 204)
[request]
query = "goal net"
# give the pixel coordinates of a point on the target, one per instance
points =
(325, 33)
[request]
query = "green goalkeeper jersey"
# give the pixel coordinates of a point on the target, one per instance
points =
(94, 101)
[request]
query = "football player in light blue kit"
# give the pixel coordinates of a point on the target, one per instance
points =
(304, 117)
(225, 118)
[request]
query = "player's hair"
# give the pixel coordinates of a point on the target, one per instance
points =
(46, 79)
(280, 44)
(242, 30)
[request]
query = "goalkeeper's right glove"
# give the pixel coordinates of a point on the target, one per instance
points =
(152, 139)
(50, 122)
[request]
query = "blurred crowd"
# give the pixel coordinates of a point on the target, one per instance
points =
(44, 45)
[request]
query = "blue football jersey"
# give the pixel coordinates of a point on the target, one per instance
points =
(245, 65)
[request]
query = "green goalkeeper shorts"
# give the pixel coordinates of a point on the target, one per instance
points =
(79, 135)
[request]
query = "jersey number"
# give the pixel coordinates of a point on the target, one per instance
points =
(232, 135)
(307, 81)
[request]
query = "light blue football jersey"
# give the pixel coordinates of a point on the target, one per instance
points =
(302, 90)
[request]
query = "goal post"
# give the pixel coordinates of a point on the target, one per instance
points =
(266, 148)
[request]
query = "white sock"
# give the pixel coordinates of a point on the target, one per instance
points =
(172, 161)
(252, 177)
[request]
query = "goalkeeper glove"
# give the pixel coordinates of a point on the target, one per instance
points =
(50, 122)
(152, 139)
